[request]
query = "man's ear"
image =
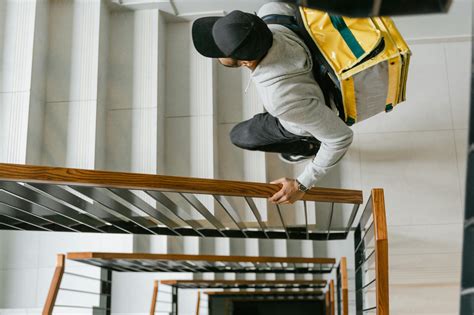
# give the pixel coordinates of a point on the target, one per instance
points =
(248, 63)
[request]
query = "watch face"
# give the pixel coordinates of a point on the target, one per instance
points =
(302, 188)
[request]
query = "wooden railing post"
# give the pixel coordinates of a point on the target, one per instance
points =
(198, 302)
(328, 303)
(345, 287)
(55, 284)
(331, 298)
(154, 297)
(381, 252)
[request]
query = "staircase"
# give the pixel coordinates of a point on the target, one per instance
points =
(72, 200)
(99, 85)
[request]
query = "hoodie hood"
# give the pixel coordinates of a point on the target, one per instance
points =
(287, 57)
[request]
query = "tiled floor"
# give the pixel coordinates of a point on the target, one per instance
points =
(417, 154)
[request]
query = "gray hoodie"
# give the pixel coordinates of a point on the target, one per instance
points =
(286, 85)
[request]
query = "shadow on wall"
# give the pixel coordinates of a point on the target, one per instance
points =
(467, 298)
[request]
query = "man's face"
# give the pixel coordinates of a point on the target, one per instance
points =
(230, 62)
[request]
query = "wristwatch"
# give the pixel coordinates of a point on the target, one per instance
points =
(302, 187)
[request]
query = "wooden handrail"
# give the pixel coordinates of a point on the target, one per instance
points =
(81, 177)
(344, 287)
(154, 297)
(271, 292)
(381, 252)
(209, 258)
(241, 282)
(198, 302)
(332, 298)
(55, 284)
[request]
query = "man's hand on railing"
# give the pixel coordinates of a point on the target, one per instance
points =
(289, 192)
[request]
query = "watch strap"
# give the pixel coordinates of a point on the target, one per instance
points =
(302, 187)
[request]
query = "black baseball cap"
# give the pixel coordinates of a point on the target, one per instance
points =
(238, 35)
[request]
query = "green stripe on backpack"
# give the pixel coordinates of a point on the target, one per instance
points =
(349, 38)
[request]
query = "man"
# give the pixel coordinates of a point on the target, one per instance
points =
(298, 124)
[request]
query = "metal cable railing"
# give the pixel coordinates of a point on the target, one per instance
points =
(371, 258)
(144, 262)
(371, 269)
(74, 200)
(261, 290)
(76, 291)
(161, 301)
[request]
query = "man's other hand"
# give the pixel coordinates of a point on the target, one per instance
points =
(289, 192)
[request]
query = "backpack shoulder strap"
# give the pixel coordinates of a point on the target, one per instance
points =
(284, 20)
(294, 24)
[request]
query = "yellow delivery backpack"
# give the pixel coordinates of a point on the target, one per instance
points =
(361, 64)
(367, 59)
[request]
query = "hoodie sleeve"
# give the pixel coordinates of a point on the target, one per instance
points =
(313, 116)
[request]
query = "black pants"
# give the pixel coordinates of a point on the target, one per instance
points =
(264, 132)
